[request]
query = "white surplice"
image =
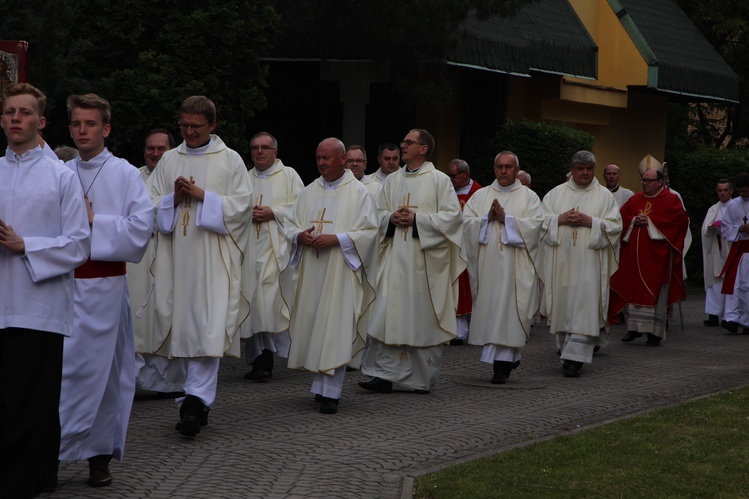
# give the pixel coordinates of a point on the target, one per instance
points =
(98, 380)
(56, 235)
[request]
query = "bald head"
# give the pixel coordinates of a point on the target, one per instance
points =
(611, 175)
(331, 158)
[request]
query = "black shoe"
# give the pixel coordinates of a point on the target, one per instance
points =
(422, 392)
(596, 348)
(262, 367)
(98, 471)
(193, 414)
(732, 327)
(653, 340)
(258, 375)
(318, 397)
(328, 405)
(712, 320)
(377, 385)
(631, 336)
(572, 369)
(456, 342)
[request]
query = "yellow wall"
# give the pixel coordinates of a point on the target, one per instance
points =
(619, 62)
(632, 133)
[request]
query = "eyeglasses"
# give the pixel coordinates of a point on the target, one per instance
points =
(262, 148)
(356, 161)
(647, 181)
(409, 142)
(185, 126)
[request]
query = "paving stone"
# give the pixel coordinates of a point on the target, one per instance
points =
(268, 440)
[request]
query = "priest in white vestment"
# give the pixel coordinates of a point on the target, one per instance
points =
(203, 195)
(356, 161)
(333, 236)
(44, 236)
(579, 249)
(735, 229)
(421, 232)
(275, 187)
(715, 250)
(501, 234)
(98, 381)
(388, 157)
(611, 175)
(152, 372)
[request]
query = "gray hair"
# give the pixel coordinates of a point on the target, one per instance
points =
(508, 153)
(66, 153)
(336, 142)
(525, 175)
(460, 165)
(583, 158)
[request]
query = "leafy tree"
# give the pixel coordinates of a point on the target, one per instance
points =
(725, 24)
(145, 57)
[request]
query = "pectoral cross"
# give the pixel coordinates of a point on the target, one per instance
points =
(259, 226)
(574, 231)
(407, 204)
(188, 199)
(320, 221)
(185, 223)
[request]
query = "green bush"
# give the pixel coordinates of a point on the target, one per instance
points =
(694, 175)
(544, 151)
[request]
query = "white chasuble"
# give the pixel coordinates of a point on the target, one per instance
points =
(327, 326)
(503, 270)
(140, 281)
(267, 250)
(714, 246)
(578, 262)
(199, 304)
(418, 277)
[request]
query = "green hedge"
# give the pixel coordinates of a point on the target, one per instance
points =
(694, 175)
(544, 151)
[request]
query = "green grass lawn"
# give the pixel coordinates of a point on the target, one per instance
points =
(699, 449)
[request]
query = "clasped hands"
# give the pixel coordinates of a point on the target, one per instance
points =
(496, 212)
(316, 241)
(575, 218)
(262, 214)
(185, 188)
(403, 217)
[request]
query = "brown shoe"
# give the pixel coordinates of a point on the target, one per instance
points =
(98, 471)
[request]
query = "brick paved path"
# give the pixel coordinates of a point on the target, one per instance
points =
(269, 440)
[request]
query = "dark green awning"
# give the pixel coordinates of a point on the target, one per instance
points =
(545, 36)
(680, 59)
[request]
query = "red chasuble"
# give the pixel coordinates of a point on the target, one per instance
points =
(643, 262)
(465, 302)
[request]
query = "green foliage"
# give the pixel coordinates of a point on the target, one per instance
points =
(694, 175)
(145, 57)
(725, 24)
(544, 151)
(687, 451)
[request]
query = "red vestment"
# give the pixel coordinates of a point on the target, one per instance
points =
(644, 262)
(465, 302)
